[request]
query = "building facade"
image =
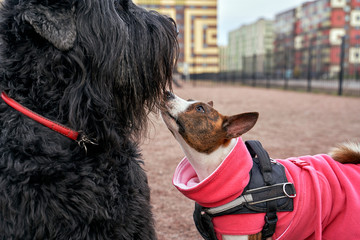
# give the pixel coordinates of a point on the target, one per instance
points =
(284, 40)
(197, 25)
(311, 45)
(224, 58)
(249, 48)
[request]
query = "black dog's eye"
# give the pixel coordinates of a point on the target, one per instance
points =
(121, 5)
(200, 109)
(118, 6)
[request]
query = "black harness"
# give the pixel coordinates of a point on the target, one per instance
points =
(268, 192)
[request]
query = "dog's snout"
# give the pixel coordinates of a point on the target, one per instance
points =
(168, 96)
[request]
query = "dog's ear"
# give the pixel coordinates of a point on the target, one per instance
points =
(211, 103)
(55, 25)
(237, 125)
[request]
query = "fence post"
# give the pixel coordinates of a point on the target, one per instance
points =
(243, 72)
(309, 73)
(254, 70)
(341, 73)
(268, 66)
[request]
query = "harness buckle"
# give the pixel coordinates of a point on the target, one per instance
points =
(292, 191)
(270, 225)
(271, 220)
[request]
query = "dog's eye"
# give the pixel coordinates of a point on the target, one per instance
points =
(121, 5)
(200, 109)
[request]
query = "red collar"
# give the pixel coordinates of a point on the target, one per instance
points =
(57, 127)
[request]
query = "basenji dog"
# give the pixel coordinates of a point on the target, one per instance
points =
(216, 170)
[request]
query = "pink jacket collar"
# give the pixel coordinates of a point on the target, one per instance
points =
(211, 192)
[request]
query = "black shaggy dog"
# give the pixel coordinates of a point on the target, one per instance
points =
(95, 66)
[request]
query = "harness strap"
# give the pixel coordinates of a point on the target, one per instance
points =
(270, 220)
(203, 223)
(256, 149)
(255, 196)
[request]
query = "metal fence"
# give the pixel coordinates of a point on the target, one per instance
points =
(348, 87)
(307, 69)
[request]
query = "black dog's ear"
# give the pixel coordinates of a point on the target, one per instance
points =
(55, 25)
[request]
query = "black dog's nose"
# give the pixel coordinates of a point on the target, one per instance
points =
(168, 96)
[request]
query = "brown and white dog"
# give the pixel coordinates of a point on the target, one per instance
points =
(216, 157)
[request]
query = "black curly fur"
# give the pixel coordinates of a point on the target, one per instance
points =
(97, 66)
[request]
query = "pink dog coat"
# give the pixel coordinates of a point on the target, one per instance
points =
(327, 205)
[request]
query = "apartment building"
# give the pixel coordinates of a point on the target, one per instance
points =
(312, 42)
(249, 48)
(284, 29)
(197, 24)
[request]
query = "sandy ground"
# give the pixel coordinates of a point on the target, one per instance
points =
(290, 124)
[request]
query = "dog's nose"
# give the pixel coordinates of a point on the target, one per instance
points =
(168, 96)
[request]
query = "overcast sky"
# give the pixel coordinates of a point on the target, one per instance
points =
(234, 13)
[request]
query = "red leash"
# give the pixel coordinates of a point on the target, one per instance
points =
(67, 132)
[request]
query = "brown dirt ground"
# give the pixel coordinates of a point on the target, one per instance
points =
(290, 124)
